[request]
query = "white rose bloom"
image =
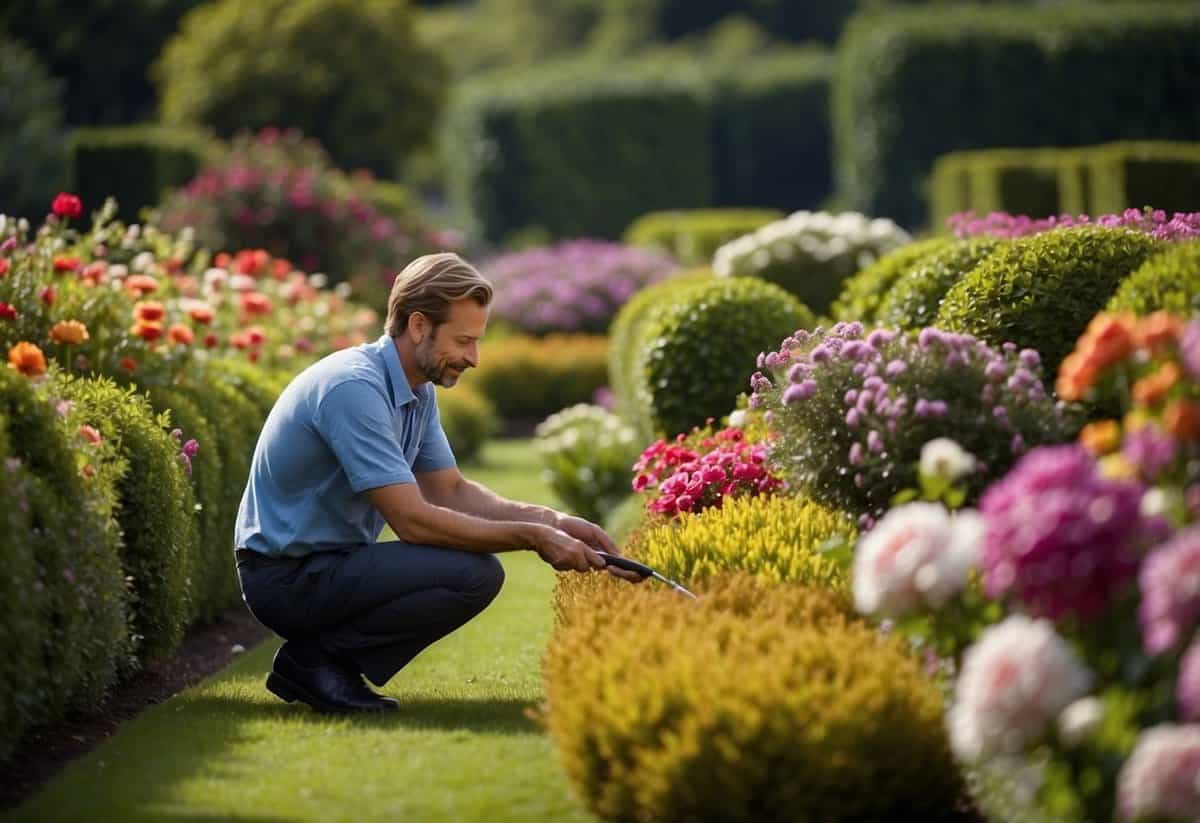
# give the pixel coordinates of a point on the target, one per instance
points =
(918, 556)
(737, 418)
(1161, 778)
(942, 457)
(1079, 720)
(1015, 681)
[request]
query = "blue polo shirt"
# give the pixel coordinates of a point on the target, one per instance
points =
(347, 423)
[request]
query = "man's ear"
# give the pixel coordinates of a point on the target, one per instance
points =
(418, 326)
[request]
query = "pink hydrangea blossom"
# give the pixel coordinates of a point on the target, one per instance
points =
(1187, 687)
(1170, 586)
(1161, 778)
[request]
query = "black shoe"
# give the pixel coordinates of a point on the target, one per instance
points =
(363, 688)
(326, 687)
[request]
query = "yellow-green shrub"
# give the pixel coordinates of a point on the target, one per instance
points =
(863, 292)
(692, 236)
(1170, 280)
(530, 377)
(468, 418)
(751, 703)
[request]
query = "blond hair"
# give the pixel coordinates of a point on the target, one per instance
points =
(428, 285)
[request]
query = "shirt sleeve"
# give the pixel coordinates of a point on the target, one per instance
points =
(356, 421)
(435, 453)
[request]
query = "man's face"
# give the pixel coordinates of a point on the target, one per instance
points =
(452, 348)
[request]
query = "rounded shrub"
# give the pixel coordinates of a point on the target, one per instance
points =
(210, 592)
(751, 703)
(157, 512)
(351, 74)
(692, 236)
(33, 149)
(78, 643)
(261, 387)
(696, 352)
(862, 293)
(527, 378)
(586, 452)
(914, 299)
(1041, 291)
(777, 538)
(622, 334)
(1168, 281)
(810, 253)
(468, 418)
(574, 287)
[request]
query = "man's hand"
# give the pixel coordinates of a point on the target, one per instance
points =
(597, 538)
(564, 552)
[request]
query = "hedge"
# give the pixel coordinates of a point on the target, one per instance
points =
(862, 294)
(527, 378)
(693, 236)
(1170, 281)
(1104, 179)
(914, 84)
(137, 165)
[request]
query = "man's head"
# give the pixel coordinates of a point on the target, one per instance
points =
(439, 305)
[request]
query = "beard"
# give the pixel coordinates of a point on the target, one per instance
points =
(434, 370)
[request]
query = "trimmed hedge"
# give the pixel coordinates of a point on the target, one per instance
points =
(625, 329)
(468, 418)
(69, 640)
(32, 136)
(914, 299)
(1041, 291)
(157, 512)
(527, 378)
(751, 703)
(862, 293)
(693, 236)
(578, 152)
(137, 165)
(914, 84)
(1104, 179)
(1170, 280)
(696, 353)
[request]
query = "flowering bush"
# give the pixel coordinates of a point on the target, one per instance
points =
(575, 286)
(690, 477)
(586, 452)
(810, 253)
(854, 411)
(277, 191)
(1154, 222)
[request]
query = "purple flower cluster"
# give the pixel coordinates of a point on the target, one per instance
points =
(1154, 222)
(1187, 688)
(1170, 584)
(576, 286)
(893, 392)
(1061, 538)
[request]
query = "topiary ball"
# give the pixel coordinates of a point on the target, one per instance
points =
(861, 294)
(1041, 291)
(1168, 281)
(914, 299)
(695, 353)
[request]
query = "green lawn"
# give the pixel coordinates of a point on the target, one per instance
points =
(461, 749)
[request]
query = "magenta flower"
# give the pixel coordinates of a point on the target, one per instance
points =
(1187, 688)
(1170, 585)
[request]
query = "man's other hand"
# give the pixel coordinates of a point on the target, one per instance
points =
(598, 539)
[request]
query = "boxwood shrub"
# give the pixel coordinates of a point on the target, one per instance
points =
(1169, 280)
(914, 299)
(1040, 291)
(468, 418)
(862, 293)
(527, 378)
(696, 353)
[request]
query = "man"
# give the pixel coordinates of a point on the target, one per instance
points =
(354, 442)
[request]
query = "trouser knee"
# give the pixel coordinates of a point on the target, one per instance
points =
(485, 577)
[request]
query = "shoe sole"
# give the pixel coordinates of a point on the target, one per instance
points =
(289, 692)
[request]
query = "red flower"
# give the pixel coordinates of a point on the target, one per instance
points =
(67, 205)
(140, 284)
(3, 266)
(63, 263)
(90, 434)
(149, 311)
(128, 364)
(201, 314)
(179, 333)
(148, 330)
(211, 340)
(48, 295)
(255, 303)
(8, 312)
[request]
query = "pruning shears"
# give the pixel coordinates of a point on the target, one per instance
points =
(643, 570)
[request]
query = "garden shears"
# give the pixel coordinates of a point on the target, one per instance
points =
(643, 570)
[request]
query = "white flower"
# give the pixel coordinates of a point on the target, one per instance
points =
(1161, 778)
(118, 270)
(944, 458)
(142, 261)
(919, 555)
(1015, 681)
(1079, 720)
(242, 282)
(737, 418)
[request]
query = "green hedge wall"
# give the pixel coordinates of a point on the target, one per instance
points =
(914, 84)
(1104, 179)
(135, 164)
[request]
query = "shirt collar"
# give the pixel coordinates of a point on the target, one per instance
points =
(401, 392)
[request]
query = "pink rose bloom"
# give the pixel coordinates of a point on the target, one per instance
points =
(1170, 586)
(1161, 778)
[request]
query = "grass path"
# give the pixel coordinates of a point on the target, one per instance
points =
(461, 749)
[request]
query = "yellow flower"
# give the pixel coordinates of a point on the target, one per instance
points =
(1116, 467)
(70, 332)
(1101, 437)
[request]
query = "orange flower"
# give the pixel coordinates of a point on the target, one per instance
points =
(255, 303)
(149, 311)
(221, 261)
(27, 359)
(201, 314)
(1101, 437)
(1182, 419)
(3, 266)
(148, 330)
(179, 333)
(240, 340)
(69, 332)
(1152, 389)
(280, 268)
(188, 286)
(90, 434)
(140, 285)
(1158, 329)
(1075, 375)
(94, 274)
(63, 263)
(129, 364)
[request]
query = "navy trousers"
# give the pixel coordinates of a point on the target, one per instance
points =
(375, 605)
